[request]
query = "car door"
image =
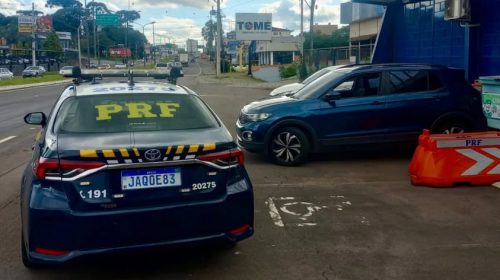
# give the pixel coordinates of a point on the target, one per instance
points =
(414, 100)
(352, 111)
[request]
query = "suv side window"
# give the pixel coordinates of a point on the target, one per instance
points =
(360, 86)
(412, 81)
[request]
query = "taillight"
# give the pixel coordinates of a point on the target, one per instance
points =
(51, 252)
(225, 158)
(64, 168)
(46, 166)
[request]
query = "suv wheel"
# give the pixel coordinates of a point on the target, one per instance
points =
(451, 127)
(289, 147)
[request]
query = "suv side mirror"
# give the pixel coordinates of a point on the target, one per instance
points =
(36, 118)
(331, 96)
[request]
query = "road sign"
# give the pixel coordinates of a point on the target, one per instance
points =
(107, 20)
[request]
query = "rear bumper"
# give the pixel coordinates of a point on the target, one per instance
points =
(82, 234)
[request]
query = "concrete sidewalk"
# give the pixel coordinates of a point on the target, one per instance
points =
(7, 88)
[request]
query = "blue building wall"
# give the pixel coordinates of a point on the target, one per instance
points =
(417, 33)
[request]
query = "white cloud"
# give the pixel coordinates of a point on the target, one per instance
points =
(172, 29)
(142, 4)
(9, 7)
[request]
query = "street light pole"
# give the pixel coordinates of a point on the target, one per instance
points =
(79, 48)
(154, 42)
(219, 39)
(33, 34)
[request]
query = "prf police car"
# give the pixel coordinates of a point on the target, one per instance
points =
(125, 166)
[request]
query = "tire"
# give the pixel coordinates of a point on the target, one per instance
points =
(452, 127)
(289, 147)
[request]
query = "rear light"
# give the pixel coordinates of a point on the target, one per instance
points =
(51, 252)
(54, 168)
(225, 158)
(239, 230)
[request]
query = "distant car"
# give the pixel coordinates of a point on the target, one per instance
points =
(162, 66)
(66, 71)
(361, 106)
(177, 64)
(92, 66)
(132, 169)
(33, 71)
(5, 74)
(104, 66)
(120, 66)
(290, 89)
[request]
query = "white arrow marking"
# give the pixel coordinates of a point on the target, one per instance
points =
(481, 164)
(496, 153)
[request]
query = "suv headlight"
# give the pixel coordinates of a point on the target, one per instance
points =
(257, 117)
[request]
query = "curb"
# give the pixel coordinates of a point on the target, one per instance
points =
(7, 88)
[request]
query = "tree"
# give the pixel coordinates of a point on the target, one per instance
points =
(64, 3)
(129, 16)
(208, 32)
(52, 46)
(339, 38)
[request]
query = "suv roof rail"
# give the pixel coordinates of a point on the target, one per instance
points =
(384, 65)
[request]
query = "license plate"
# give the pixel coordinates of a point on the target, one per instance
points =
(151, 178)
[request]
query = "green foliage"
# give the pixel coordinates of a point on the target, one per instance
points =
(52, 45)
(208, 32)
(302, 70)
(288, 71)
(339, 38)
(125, 15)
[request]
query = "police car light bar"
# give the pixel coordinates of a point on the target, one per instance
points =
(87, 74)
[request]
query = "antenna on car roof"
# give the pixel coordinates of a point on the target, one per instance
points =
(130, 78)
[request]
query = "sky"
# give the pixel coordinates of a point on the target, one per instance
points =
(178, 20)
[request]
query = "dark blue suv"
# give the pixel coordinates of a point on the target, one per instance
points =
(361, 105)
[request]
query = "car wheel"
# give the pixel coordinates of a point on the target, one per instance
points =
(289, 147)
(451, 127)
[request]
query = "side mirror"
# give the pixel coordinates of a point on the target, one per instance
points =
(331, 96)
(36, 118)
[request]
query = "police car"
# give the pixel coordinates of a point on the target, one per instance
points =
(127, 166)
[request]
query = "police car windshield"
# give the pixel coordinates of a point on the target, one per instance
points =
(132, 113)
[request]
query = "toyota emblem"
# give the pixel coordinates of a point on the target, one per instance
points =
(152, 154)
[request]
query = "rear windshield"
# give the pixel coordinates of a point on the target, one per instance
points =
(161, 65)
(132, 113)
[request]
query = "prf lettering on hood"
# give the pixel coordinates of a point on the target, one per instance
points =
(136, 110)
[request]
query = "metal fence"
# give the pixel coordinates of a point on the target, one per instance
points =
(341, 55)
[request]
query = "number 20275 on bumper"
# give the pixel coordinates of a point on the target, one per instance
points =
(151, 178)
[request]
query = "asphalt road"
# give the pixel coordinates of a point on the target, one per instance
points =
(340, 216)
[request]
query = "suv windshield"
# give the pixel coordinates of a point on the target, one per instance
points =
(161, 65)
(132, 113)
(310, 89)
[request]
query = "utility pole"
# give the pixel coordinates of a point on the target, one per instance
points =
(33, 34)
(311, 32)
(302, 28)
(86, 14)
(219, 40)
(154, 43)
(95, 33)
(79, 49)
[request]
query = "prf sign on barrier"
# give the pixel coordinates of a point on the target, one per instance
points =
(443, 160)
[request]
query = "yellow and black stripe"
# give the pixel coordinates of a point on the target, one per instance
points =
(135, 155)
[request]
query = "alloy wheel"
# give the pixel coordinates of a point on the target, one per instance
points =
(286, 147)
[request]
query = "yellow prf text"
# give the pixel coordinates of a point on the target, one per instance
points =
(136, 110)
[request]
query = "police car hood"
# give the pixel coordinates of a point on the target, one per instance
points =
(126, 144)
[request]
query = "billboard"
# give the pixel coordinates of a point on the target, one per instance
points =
(254, 26)
(120, 52)
(43, 24)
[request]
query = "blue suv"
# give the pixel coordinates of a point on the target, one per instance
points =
(361, 105)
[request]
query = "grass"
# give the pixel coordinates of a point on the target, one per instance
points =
(48, 77)
(240, 76)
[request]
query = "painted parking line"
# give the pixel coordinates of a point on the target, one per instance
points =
(7, 139)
